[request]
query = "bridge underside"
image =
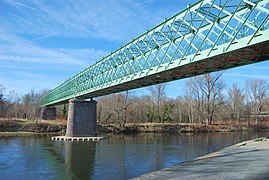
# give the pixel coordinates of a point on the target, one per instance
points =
(249, 55)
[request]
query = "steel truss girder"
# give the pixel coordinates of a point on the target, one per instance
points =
(204, 30)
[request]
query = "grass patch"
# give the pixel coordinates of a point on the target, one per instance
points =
(260, 140)
(24, 134)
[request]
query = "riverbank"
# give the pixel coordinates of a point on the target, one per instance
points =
(22, 134)
(132, 128)
(13, 126)
(245, 160)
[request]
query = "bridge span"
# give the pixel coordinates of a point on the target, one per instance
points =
(207, 36)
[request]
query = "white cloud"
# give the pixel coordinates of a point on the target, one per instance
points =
(243, 75)
(111, 19)
(18, 4)
(143, 3)
(87, 55)
(261, 66)
(80, 18)
(15, 48)
(35, 54)
(45, 36)
(18, 55)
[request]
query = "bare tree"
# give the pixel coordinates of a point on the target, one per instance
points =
(120, 105)
(158, 96)
(13, 102)
(2, 100)
(178, 112)
(189, 107)
(104, 109)
(30, 104)
(117, 107)
(195, 93)
(125, 106)
(206, 90)
(236, 99)
(138, 112)
(257, 92)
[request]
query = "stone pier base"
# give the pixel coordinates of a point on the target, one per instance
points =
(81, 120)
(48, 113)
(64, 138)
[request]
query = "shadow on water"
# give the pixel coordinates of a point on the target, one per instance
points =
(74, 160)
(118, 157)
(41, 158)
(79, 159)
(130, 156)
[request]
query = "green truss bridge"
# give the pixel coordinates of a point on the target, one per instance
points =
(207, 36)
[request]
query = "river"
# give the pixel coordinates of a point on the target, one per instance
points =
(118, 157)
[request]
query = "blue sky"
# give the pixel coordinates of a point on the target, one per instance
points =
(42, 43)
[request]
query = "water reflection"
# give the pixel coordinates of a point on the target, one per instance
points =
(118, 157)
(130, 156)
(79, 159)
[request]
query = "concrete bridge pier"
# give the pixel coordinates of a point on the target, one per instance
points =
(48, 113)
(81, 120)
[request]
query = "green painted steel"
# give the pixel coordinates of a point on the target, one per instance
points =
(207, 36)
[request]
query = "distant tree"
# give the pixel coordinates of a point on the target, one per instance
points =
(139, 106)
(236, 99)
(167, 112)
(195, 93)
(105, 109)
(125, 106)
(31, 103)
(257, 93)
(179, 109)
(189, 104)
(64, 110)
(120, 104)
(2, 100)
(116, 105)
(13, 103)
(2, 90)
(206, 90)
(151, 112)
(158, 96)
(99, 113)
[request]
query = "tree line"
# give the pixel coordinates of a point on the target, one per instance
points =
(13, 105)
(205, 99)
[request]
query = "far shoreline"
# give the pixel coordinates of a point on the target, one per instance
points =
(27, 134)
(22, 127)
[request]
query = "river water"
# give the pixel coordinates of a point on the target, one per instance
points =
(118, 157)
